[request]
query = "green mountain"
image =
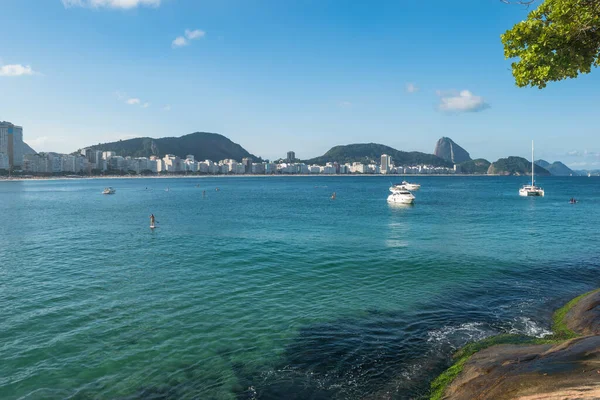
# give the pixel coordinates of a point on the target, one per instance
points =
(479, 166)
(202, 145)
(368, 152)
(543, 163)
(556, 168)
(27, 149)
(448, 150)
(515, 166)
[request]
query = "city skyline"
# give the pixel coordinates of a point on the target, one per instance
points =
(305, 77)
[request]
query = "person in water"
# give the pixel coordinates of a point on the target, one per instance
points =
(152, 219)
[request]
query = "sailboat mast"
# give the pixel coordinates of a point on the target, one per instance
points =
(532, 164)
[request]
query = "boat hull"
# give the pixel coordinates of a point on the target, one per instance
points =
(531, 193)
(394, 199)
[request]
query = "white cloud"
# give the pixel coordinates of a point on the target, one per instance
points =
(146, 105)
(464, 101)
(195, 34)
(47, 143)
(345, 104)
(179, 41)
(190, 35)
(16, 70)
(123, 4)
(167, 107)
(411, 88)
(133, 101)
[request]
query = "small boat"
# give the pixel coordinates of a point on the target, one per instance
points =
(400, 195)
(573, 201)
(411, 186)
(333, 196)
(109, 190)
(532, 190)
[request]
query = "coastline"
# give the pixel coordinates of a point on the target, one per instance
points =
(72, 178)
(528, 367)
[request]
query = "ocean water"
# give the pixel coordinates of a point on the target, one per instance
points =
(268, 289)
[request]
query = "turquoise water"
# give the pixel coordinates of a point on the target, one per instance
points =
(268, 289)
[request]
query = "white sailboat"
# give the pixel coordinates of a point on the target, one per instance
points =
(531, 190)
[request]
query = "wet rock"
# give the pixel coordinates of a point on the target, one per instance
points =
(584, 317)
(556, 370)
(531, 372)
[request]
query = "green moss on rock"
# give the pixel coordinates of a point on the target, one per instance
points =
(560, 333)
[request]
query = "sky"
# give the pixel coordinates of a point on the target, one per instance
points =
(276, 76)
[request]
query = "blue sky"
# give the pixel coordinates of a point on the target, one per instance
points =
(278, 75)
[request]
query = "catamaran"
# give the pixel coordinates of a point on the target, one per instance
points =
(531, 190)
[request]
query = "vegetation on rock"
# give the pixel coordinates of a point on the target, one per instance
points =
(479, 166)
(515, 166)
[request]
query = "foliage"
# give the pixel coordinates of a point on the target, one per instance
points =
(515, 166)
(371, 152)
(202, 145)
(558, 40)
(479, 166)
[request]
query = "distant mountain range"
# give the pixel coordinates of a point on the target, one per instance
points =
(202, 145)
(448, 150)
(556, 168)
(515, 166)
(27, 149)
(215, 147)
(371, 152)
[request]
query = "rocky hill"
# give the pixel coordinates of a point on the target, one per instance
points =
(557, 168)
(202, 145)
(515, 166)
(448, 150)
(371, 152)
(27, 149)
(479, 166)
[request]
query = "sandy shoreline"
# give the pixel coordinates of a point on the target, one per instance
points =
(65, 178)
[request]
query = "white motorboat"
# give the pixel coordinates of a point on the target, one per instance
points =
(400, 195)
(411, 186)
(109, 190)
(405, 186)
(532, 190)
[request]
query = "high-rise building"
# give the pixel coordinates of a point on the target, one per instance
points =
(386, 163)
(247, 163)
(291, 156)
(11, 144)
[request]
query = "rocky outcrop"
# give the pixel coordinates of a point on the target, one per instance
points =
(534, 372)
(553, 369)
(448, 150)
(584, 317)
(515, 166)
